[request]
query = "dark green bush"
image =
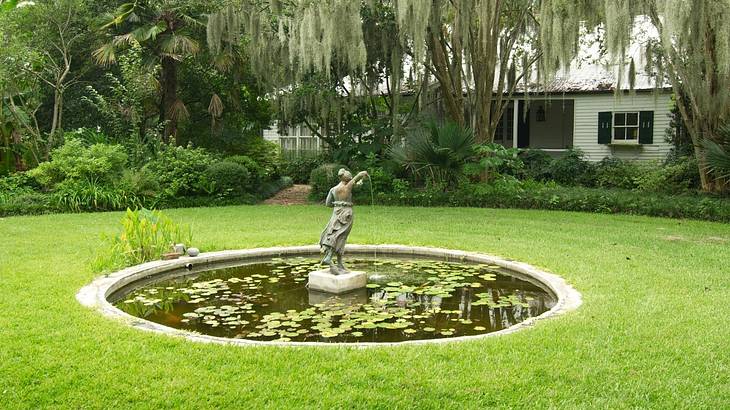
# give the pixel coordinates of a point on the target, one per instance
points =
(180, 171)
(676, 176)
(142, 184)
(228, 178)
(322, 179)
(494, 160)
(550, 196)
(27, 203)
(300, 168)
(572, 169)
(256, 173)
(536, 164)
(619, 173)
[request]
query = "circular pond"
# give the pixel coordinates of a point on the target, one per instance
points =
(413, 294)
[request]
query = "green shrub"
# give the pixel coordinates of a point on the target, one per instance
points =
(300, 168)
(19, 183)
(228, 178)
(515, 194)
(572, 169)
(256, 173)
(322, 179)
(536, 164)
(618, 173)
(141, 183)
(180, 170)
(26, 203)
(145, 236)
(265, 153)
(75, 161)
(494, 160)
(678, 176)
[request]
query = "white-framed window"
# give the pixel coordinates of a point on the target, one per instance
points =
(626, 127)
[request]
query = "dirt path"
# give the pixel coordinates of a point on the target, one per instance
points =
(294, 195)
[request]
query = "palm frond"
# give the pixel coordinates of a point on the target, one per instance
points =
(179, 45)
(215, 108)
(178, 111)
(148, 32)
(438, 152)
(105, 54)
(718, 158)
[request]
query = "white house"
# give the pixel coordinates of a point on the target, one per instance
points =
(579, 109)
(296, 140)
(593, 120)
(574, 114)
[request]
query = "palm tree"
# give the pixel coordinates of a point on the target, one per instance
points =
(439, 152)
(167, 30)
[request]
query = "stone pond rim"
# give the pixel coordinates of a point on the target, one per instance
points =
(96, 293)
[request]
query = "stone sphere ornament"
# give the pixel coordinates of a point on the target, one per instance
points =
(193, 252)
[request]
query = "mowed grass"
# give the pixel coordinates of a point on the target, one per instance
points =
(653, 331)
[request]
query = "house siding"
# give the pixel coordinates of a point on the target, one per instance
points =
(585, 136)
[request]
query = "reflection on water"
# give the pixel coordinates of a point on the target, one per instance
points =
(405, 300)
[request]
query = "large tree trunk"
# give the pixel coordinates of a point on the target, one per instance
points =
(447, 73)
(168, 98)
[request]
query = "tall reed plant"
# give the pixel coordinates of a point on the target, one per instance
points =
(146, 235)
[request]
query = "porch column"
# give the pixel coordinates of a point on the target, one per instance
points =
(515, 118)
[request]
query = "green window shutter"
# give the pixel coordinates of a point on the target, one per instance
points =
(605, 120)
(646, 127)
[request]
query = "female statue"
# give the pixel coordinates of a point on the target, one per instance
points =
(333, 238)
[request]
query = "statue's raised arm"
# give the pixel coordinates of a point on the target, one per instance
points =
(360, 175)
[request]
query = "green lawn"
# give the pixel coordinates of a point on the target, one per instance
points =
(653, 330)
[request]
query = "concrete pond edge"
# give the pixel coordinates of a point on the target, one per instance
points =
(95, 295)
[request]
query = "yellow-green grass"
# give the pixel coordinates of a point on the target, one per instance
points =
(653, 331)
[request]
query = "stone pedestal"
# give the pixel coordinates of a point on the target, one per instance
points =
(324, 281)
(352, 298)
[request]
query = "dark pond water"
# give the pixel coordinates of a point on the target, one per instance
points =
(405, 300)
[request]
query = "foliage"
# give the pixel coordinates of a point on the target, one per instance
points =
(494, 160)
(91, 195)
(437, 154)
(26, 203)
(228, 178)
(145, 236)
(180, 170)
(514, 194)
(256, 173)
(169, 33)
(673, 177)
(265, 153)
(299, 168)
(127, 102)
(572, 169)
(322, 179)
(618, 173)
(696, 65)
(718, 155)
(536, 164)
(76, 161)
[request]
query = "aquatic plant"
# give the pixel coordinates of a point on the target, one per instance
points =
(146, 235)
